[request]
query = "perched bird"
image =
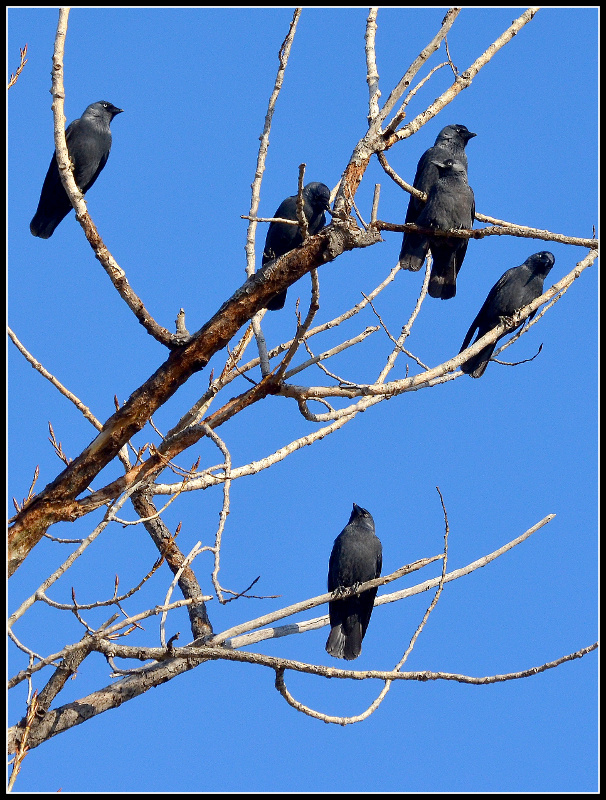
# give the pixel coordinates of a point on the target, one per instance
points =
(450, 205)
(514, 290)
(356, 558)
(88, 143)
(450, 143)
(282, 237)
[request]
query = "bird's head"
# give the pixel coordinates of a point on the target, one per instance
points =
(318, 195)
(360, 513)
(449, 166)
(103, 108)
(455, 132)
(541, 263)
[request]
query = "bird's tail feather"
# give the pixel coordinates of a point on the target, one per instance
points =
(342, 645)
(443, 279)
(43, 228)
(476, 366)
(277, 302)
(413, 252)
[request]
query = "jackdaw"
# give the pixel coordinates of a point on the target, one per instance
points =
(450, 205)
(89, 141)
(450, 143)
(514, 290)
(282, 237)
(356, 558)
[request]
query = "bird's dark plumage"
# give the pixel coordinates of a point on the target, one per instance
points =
(282, 237)
(450, 205)
(450, 144)
(514, 290)
(356, 557)
(89, 141)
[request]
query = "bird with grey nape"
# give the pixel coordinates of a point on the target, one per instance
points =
(515, 289)
(89, 141)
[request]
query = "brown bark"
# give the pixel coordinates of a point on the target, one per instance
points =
(57, 501)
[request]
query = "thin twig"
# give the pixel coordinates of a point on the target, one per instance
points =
(15, 75)
(332, 352)
(301, 218)
(283, 56)
(375, 203)
(22, 749)
(398, 346)
(56, 383)
(399, 117)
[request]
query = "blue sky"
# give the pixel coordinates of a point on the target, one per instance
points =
(505, 450)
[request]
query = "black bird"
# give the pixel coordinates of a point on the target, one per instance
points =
(450, 205)
(356, 557)
(514, 290)
(450, 143)
(282, 237)
(88, 143)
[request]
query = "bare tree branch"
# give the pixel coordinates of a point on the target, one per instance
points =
(45, 373)
(15, 75)
(464, 80)
(67, 716)
(372, 76)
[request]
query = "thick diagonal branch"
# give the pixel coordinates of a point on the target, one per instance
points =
(57, 502)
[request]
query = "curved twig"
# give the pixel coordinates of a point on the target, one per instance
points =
(110, 265)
